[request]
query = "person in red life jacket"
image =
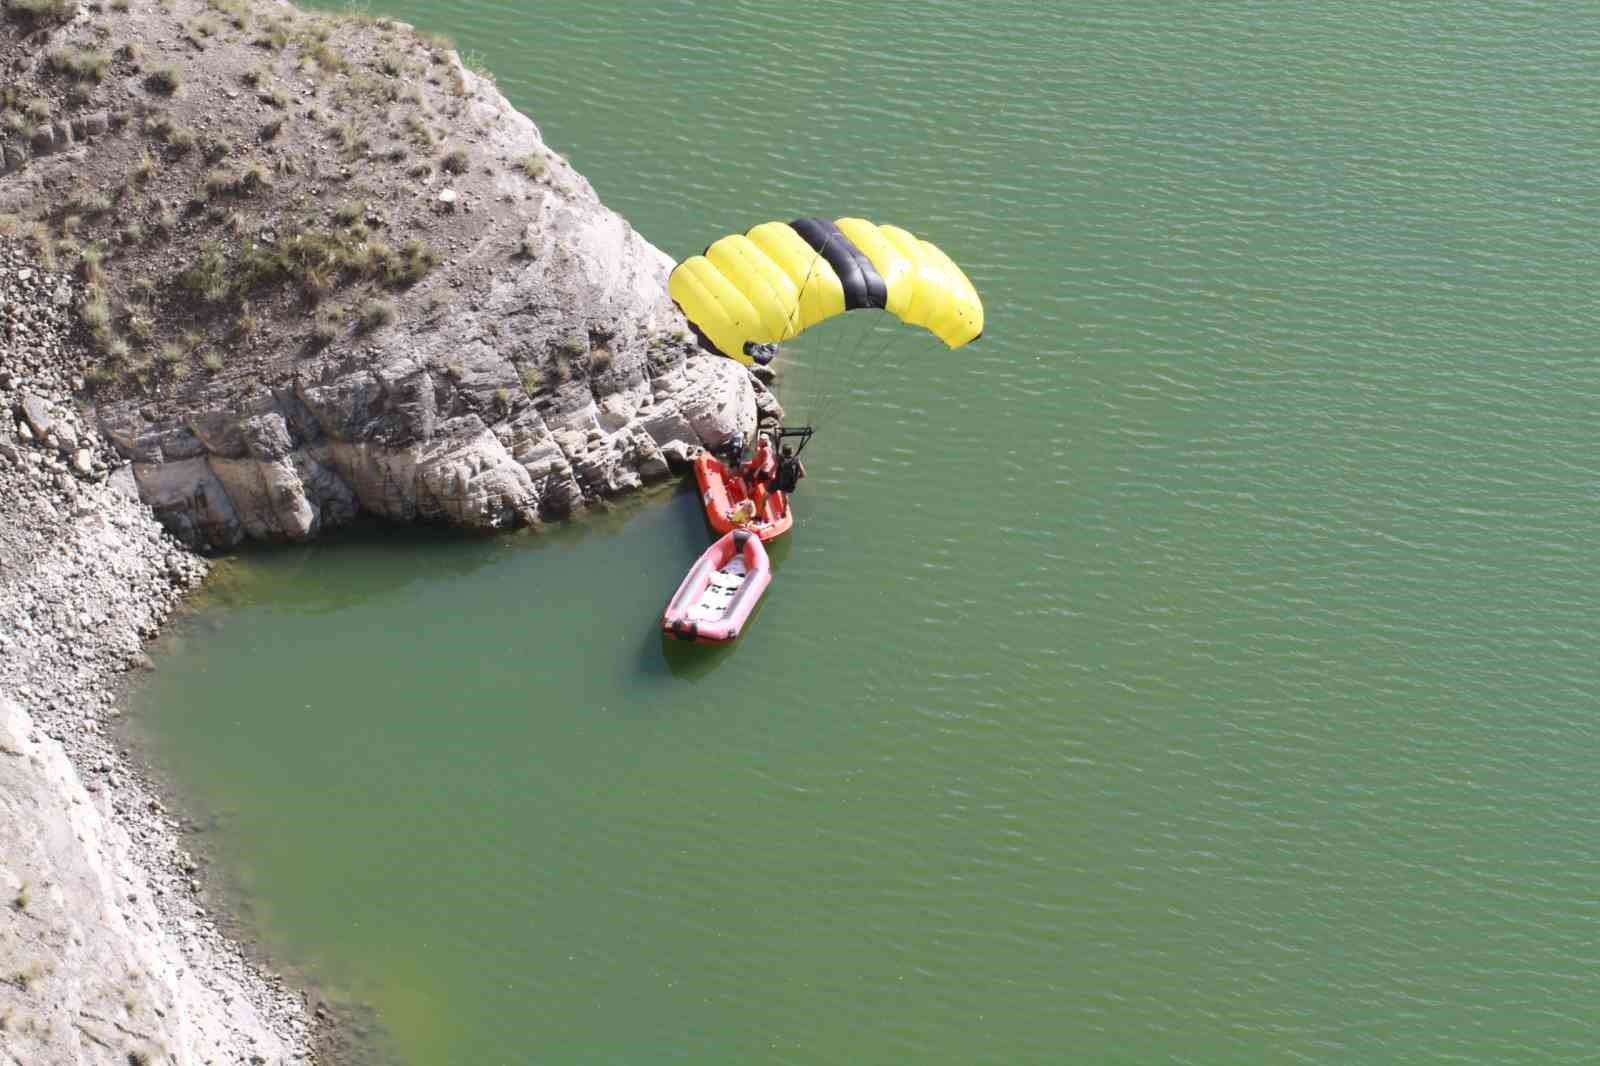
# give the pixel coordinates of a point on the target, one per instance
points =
(761, 471)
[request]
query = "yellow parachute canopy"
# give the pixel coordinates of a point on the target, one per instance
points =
(779, 278)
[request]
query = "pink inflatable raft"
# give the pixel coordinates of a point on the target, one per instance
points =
(720, 590)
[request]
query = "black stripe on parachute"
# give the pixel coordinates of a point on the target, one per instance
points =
(863, 285)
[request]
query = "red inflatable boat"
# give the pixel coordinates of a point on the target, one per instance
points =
(716, 597)
(727, 496)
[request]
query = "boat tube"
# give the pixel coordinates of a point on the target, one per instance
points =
(731, 501)
(720, 590)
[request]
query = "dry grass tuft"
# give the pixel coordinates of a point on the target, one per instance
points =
(78, 64)
(163, 80)
(36, 13)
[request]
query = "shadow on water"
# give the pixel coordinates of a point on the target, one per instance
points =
(299, 577)
(686, 661)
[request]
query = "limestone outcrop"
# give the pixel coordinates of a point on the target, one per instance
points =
(524, 389)
(388, 297)
(403, 439)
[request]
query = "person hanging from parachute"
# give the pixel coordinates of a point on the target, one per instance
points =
(747, 293)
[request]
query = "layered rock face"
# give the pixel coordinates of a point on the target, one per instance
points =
(397, 441)
(516, 391)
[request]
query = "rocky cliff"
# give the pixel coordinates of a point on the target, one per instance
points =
(327, 270)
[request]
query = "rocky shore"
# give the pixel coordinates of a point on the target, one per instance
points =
(107, 954)
(261, 271)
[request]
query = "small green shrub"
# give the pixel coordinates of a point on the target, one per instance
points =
(164, 80)
(44, 247)
(237, 11)
(324, 330)
(407, 267)
(420, 134)
(95, 310)
(437, 42)
(78, 64)
(375, 314)
(475, 62)
(208, 277)
(327, 60)
(534, 165)
(248, 323)
(252, 179)
(89, 265)
(41, 12)
(455, 161)
(272, 36)
(92, 204)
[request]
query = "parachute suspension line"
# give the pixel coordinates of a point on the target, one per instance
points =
(814, 385)
(837, 396)
(828, 382)
(825, 374)
(827, 378)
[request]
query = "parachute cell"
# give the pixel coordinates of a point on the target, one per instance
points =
(780, 278)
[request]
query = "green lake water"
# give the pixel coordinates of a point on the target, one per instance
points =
(1200, 668)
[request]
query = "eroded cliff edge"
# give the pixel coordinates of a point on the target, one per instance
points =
(327, 269)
